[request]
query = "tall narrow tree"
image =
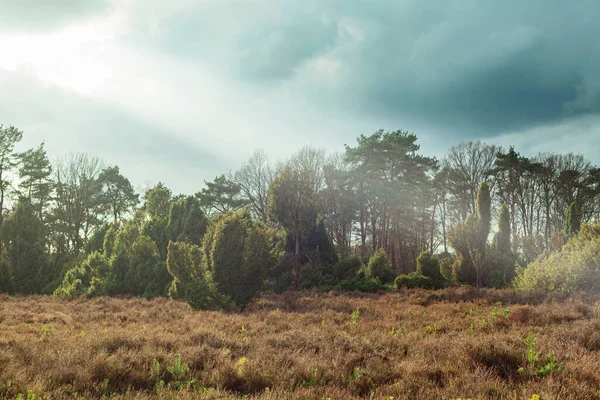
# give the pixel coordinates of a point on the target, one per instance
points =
(9, 137)
(35, 178)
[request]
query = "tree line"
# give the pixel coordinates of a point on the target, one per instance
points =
(377, 212)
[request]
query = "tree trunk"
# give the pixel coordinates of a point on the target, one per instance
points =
(296, 267)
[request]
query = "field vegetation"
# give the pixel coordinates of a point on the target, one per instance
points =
(410, 344)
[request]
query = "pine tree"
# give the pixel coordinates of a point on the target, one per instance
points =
(35, 182)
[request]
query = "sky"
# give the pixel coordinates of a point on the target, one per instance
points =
(180, 91)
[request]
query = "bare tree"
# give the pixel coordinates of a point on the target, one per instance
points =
(254, 178)
(467, 165)
(78, 210)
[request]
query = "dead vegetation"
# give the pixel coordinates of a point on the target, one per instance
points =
(456, 343)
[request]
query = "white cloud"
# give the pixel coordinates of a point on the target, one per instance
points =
(120, 60)
(580, 136)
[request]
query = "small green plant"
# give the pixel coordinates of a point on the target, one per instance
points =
(179, 372)
(156, 376)
(472, 329)
(533, 361)
(45, 331)
(355, 316)
(505, 313)
(432, 329)
(552, 365)
(242, 329)
(398, 331)
(29, 396)
(313, 380)
(356, 374)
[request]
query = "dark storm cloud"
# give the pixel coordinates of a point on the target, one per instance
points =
(481, 67)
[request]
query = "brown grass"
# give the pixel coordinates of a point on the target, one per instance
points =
(444, 345)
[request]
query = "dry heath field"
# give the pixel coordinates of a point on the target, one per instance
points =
(450, 344)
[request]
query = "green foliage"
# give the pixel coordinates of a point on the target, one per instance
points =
(179, 373)
(355, 317)
(292, 202)
(256, 263)
(416, 280)
(501, 259)
(35, 184)
(110, 238)
(319, 246)
(347, 267)
(359, 284)
(23, 237)
(127, 235)
(429, 265)
(380, 267)
(446, 262)
(186, 222)
(117, 193)
(572, 222)
(534, 366)
(576, 267)
(469, 240)
(459, 236)
(221, 196)
(156, 229)
(6, 278)
(239, 257)
(484, 214)
(146, 275)
(192, 282)
(158, 201)
(96, 242)
(156, 376)
(80, 279)
(313, 381)
(310, 275)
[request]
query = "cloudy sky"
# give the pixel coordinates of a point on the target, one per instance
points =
(181, 90)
